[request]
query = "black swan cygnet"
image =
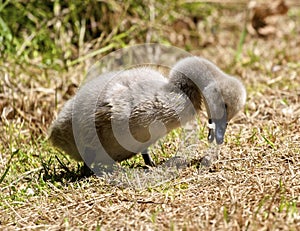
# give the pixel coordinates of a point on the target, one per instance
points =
(119, 114)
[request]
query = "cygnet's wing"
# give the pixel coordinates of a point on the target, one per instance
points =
(104, 107)
(130, 88)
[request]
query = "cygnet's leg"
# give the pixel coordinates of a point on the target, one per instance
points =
(147, 158)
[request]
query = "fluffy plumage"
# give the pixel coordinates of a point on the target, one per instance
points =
(119, 114)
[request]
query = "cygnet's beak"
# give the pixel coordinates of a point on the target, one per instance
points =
(217, 129)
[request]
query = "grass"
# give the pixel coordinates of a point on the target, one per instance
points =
(255, 184)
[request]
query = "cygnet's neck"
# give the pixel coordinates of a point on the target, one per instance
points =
(183, 84)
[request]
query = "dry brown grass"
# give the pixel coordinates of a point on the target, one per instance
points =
(254, 186)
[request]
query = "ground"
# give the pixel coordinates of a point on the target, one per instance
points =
(255, 185)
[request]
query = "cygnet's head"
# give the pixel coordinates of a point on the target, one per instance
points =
(234, 95)
(224, 96)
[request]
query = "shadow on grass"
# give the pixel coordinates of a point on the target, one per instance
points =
(64, 173)
(70, 173)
